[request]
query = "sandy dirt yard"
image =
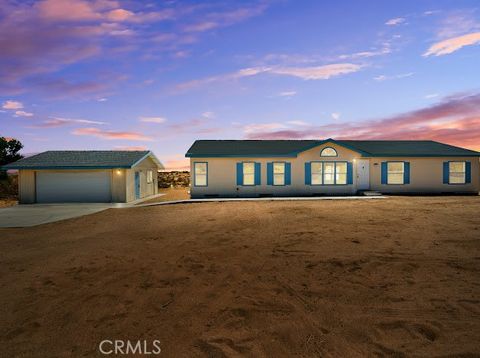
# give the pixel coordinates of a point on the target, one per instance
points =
(393, 277)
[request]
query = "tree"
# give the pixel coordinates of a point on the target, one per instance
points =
(9, 149)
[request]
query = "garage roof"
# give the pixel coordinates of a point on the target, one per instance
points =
(290, 148)
(84, 159)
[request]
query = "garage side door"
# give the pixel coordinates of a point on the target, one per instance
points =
(81, 186)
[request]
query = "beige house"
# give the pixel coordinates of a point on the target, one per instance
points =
(87, 176)
(252, 168)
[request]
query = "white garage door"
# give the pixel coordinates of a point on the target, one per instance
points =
(80, 186)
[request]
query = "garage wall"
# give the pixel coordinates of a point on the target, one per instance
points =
(26, 186)
(146, 189)
(119, 182)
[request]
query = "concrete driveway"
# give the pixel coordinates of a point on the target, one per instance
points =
(37, 214)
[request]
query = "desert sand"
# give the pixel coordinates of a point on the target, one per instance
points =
(399, 276)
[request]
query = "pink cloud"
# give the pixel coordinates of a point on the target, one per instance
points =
(306, 73)
(131, 147)
(455, 120)
(12, 105)
(174, 164)
(449, 46)
(111, 135)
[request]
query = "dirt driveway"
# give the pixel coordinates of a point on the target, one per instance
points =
(332, 278)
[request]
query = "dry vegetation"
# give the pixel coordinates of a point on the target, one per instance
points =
(395, 277)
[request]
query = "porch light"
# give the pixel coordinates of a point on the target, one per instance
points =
(119, 172)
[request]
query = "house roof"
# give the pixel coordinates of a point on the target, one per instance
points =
(291, 148)
(83, 159)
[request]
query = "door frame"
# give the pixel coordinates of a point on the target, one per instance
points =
(358, 164)
(137, 185)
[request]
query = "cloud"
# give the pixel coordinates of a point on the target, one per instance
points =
(131, 147)
(431, 95)
(23, 114)
(177, 163)
(12, 105)
(335, 115)
(306, 73)
(396, 21)
(208, 115)
(55, 122)
(317, 72)
(153, 119)
(449, 46)
(226, 18)
(111, 135)
(454, 120)
(381, 78)
(102, 99)
(287, 93)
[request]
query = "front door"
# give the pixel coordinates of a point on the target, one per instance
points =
(363, 174)
(137, 185)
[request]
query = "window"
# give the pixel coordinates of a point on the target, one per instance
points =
(328, 152)
(200, 171)
(395, 172)
(278, 173)
(249, 173)
(340, 173)
(456, 173)
(328, 173)
(317, 173)
(149, 176)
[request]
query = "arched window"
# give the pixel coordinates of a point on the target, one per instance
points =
(328, 152)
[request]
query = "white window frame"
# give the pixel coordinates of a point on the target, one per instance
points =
(278, 176)
(324, 154)
(463, 173)
(395, 172)
(248, 175)
(200, 175)
(316, 176)
(345, 164)
(149, 176)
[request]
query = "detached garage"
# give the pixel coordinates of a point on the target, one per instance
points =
(87, 176)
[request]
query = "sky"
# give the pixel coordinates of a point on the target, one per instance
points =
(158, 75)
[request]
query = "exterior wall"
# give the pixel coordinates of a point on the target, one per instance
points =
(118, 185)
(146, 189)
(426, 176)
(26, 186)
(222, 175)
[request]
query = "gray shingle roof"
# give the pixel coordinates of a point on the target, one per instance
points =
(77, 159)
(290, 148)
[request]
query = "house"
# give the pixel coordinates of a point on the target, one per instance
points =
(250, 168)
(87, 176)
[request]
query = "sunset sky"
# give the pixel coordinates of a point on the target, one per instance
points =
(102, 74)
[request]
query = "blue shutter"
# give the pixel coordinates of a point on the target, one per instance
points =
(468, 172)
(406, 172)
(288, 173)
(446, 174)
(239, 173)
(349, 173)
(384, 172)
(308, 173)
(257, 174)
(269, 173)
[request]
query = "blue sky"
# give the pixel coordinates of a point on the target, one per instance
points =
(108, 74)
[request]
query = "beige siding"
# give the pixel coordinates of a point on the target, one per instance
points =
(146, 189)
(222, 175)
(26, 186)
(426, 176)
(119, 180)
